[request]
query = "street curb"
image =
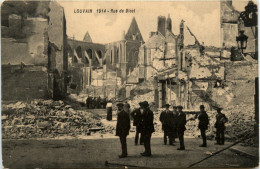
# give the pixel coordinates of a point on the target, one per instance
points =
(241, 152)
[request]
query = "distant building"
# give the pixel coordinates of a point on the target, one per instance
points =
(107, 66)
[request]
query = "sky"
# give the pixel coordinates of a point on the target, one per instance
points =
(203, 18)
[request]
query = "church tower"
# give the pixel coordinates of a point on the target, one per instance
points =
(134, 32)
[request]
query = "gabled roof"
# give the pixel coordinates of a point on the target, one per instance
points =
(87, 37)
(134, 32)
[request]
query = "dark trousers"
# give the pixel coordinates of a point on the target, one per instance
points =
(181, 138)
(123, 144)
(220, 135)
(147, 142)
(170, 136)
(137, 136)
(109, 113)
(203, 135)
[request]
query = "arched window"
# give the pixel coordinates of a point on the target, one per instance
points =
(79, 52)
(117, 55)
(90, 53)
(111, 57)
(99, 53)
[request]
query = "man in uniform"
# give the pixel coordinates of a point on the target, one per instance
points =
(221, 119)
(122, 128)
(203, 124)
(181, 122)
(167, 120)
(137, 116)
(147, 128)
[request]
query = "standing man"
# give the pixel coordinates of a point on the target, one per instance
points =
(181, 122)
(167, 120)
(109, 110)
(221, 119)
(122, 128)
(137, 116)
(203, 124)
(175, 115)
(147, 128)
(127, 107)
(87, 102)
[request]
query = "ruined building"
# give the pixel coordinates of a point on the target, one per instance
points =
(230, 25)
(100, 69)
(190, 74)
(34, 60)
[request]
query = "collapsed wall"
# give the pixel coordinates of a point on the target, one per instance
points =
(33, 37)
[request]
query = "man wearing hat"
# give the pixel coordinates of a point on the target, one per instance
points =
(168, 121)
(147, 128)
(203, 124)
(137, 116)
(221, 119)
(122, 128)
(181, 122)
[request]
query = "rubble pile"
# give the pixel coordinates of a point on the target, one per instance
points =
(45, 118)
(238, 126)
(149, 97)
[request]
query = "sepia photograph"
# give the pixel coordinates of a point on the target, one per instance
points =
(129, 84)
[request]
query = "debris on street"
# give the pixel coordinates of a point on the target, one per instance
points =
(46, 118)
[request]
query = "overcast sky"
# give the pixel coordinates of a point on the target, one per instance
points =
(203, 18)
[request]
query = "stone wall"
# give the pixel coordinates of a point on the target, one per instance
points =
(34, 35)
(27, 83)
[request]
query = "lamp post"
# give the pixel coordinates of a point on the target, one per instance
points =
(249, 16)
(241, 40)
(249, 19)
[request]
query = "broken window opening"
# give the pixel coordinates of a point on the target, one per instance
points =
(79, 51)
(99, 53)
(89, 52)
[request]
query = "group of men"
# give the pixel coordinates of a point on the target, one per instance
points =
(96, 102)
(143, 120)
(173, 125)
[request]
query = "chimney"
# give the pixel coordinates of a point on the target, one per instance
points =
(161, 25)
(169, 23)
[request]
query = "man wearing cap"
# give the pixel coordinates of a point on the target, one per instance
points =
(203, 124)
(221, 119)
(181, 122)
(122, 128)
(137, 116)
(147, 128)
(167, 120)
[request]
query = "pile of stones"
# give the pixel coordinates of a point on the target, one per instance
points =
(45, 119)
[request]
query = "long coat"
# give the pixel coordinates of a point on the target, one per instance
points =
(137, 116)
(221, 119)
(169, 121)
(147, 121)
(123, 124)
(203, 121)
(181, 122)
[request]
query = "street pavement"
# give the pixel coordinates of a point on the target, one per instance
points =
(92, 153)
